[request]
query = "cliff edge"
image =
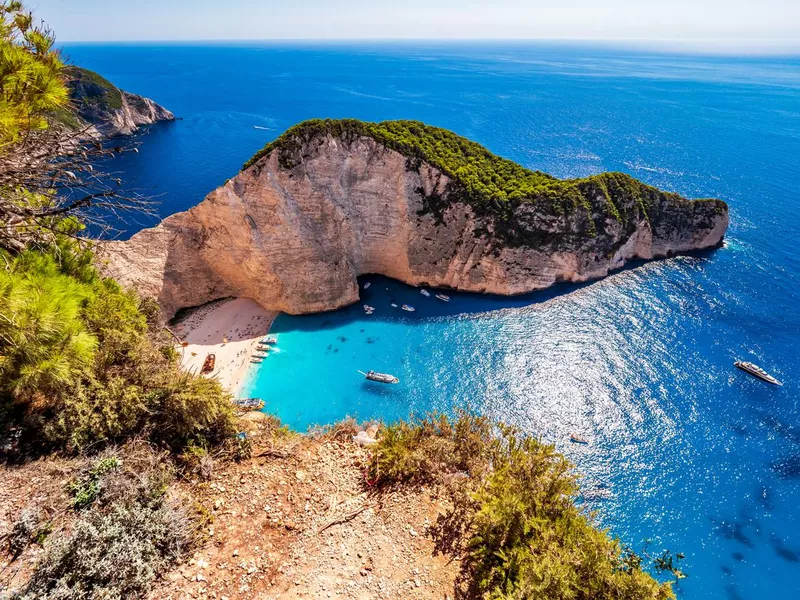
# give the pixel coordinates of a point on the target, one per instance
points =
(330, 200)
(106, 110)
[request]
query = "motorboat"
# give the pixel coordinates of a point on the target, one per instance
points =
(380, 377)
(425, 293)
(443, 297)
(576, 439)
(369, 309)
(408, 308)
(756, 371)
(366, 285)
(249, 403)
(269, 340)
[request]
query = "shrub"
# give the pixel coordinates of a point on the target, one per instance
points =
(86, 360)
(130, 530)
(116, 554)
(524, 535)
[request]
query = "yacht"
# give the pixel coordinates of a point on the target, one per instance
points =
(408, 308)
(380, 377)
(443, 297)
(756, 371)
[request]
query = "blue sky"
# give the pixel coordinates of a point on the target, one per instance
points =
(721, 23)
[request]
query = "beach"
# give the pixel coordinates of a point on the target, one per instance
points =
(230, 330)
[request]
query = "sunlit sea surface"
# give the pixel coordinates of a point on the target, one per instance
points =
(684, 450)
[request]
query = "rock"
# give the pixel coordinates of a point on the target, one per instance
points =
(364, 439)
(293, 232)
(106, 110)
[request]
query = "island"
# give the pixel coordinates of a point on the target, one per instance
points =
(330, 200)
(99, 109)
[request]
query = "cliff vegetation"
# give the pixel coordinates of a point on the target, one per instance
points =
(491, 184)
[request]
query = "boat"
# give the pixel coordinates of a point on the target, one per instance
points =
(369, 309)
(394, 305)
(425, 293)
(263, 348)
(249, 403)
(268, 340)
(257, 361)
(380, 377)
(260, 127)
(208, 364)
(408, 308)
(756, 371)
(576, 439)
(443, 297)
(366, 285)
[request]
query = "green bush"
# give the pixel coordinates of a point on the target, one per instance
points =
(515, 506)
(85, 360)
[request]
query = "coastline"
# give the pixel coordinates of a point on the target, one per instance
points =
(230, 329)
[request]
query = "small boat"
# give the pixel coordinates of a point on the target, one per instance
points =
(380, 377)
(576, 439)
(268, 340)
(208, 364)
(443, 297)
(249, 403)
(366, 285)
(263, 348)
(425, 293)
(260, 127)
(369, 309)
(394, 305)
(408, 308)
(257, 361)
(756, 371)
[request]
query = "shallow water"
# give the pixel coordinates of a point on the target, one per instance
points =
(685, 449)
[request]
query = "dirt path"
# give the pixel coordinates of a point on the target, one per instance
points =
(307, 526)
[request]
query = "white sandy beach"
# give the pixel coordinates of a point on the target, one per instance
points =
(241, 321)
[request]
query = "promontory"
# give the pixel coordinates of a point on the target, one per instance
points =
(330, 200)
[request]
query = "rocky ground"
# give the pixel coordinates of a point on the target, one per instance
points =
(297, 520)
(300, 521)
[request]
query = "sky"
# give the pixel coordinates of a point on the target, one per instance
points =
(724, 24)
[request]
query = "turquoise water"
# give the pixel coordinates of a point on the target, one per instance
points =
(685, 450)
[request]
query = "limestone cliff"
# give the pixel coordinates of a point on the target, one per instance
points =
(106, 110)
(326, 203)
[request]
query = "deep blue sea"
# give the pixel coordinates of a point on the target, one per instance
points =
(684, 450)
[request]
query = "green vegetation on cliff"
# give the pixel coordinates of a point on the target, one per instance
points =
(92, 90)
(514, 517)
(491, 184)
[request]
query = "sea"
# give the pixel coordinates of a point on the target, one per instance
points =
(685, 452)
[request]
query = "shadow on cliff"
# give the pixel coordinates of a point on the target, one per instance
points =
(383, 292)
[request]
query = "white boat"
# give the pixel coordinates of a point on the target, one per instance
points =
(577, 439)
(380, 377)
(394, 305)
(443, 297)
(756, 371)
(425, 293)
(369, 309)
(256, 360)
(408, 308)
(366, 285)
(268, 340)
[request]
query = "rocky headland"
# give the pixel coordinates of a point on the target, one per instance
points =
(331, 200)
(101, 109)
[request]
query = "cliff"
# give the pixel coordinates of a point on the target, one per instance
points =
(106, 110)
(331, 200)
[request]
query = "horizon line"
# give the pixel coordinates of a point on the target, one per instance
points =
(753, 46)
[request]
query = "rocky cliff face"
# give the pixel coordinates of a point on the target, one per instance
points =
(108, 111)
(294, 234)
